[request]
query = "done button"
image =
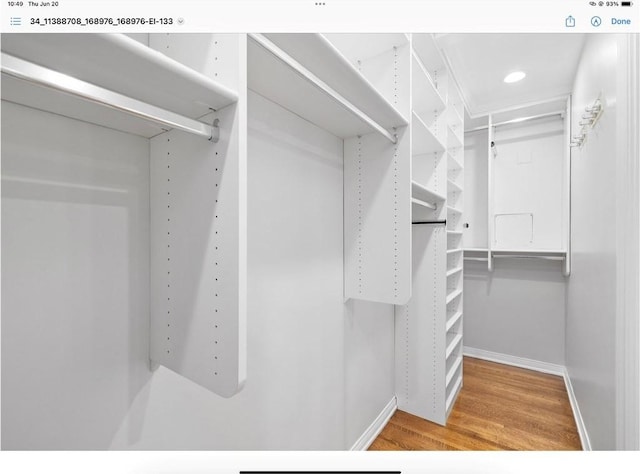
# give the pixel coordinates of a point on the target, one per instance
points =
(620, 21)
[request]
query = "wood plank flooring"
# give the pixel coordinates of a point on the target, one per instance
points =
(499, 408)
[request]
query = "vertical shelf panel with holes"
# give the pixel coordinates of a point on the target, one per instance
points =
(455, 249)
(377, 177)
(355, 86)
(428, 338)
(198, 227)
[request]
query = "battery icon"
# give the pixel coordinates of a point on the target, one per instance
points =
(626, 4)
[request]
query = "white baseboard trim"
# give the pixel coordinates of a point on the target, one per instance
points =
(515, 361)
(582, 429)
(370, 434)
(546, 368)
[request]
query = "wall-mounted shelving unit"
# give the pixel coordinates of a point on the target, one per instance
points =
(530, 152)
(356, 86)
(198, 183)
(428, 337)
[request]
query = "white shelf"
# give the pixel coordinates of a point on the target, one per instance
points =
(452, 319)
(454, 185)
(362, 46)
(530, 252)
(453, 163)
(423, 193)
(454, 271)
(426, 49)
(424, 141)
(453, 140)
(452, 296)
(118, 64)
(454, 209)
(452, 370)
(452, 251)
(454, 232)
(426, 98)
(453, 394)
(453, 340)
(274, 78)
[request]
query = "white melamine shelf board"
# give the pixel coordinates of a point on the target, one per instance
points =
(454, 271)
(453, 339)
(451, 398)
(457, 118)
(426, 98)
(452, 251)
(452, 184)
(275, 79)
(531, 252)
(424, 141)
(362, 46)
(423, 204)
(453, 140)
(452, 370)
(453, 295)
(425, 47)
(453, 162)
(452, 319)
(454, 232)
(454, 209)
(423, 193)
(475, 249)
(120, 64)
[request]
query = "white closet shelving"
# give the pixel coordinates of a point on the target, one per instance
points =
(428, 336)
(167, 89)
(530, 152)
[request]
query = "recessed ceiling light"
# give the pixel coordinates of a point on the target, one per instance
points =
(514, 77)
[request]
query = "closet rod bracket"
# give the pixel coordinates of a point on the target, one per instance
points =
(215, 131)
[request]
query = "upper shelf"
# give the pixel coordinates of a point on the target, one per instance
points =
(424, 141)
(121, 64)
(307, 75)
(419, 191)
(426, 98)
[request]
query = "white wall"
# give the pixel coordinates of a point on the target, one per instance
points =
(518, 309)
(591, 303)
(75, 279)
(75, 352)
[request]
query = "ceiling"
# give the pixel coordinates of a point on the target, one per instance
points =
(480, 62)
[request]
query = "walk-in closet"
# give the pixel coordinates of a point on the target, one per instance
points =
(305, 241)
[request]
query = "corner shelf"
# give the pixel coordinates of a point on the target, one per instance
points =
(453, 295)
(426, 96)
(452, 319)
(454, 270)
(424, 141)
(453, 339)
(453, 185)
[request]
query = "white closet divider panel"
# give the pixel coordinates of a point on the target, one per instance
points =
(377, 208)
(420, 329)
(198, 234)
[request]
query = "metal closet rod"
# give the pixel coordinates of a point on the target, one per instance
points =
(41, 76)
(517, 120)
(444, 222)
(321, 85)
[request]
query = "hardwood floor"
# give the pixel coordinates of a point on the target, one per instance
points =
(499, 408)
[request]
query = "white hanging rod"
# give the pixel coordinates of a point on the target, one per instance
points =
(424, 203)
(41, 76)
(517, 120)
(320, 84)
